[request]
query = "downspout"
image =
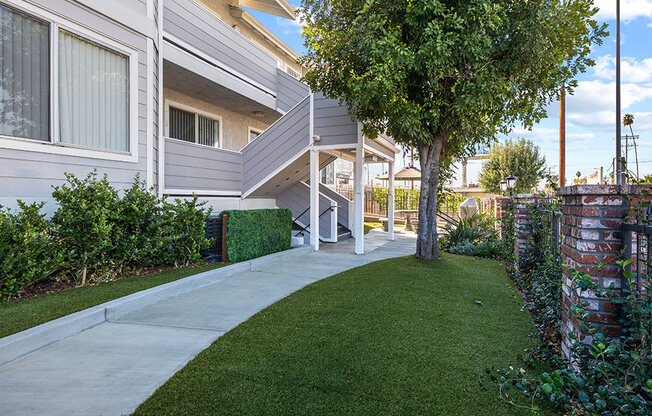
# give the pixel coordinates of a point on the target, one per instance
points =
(161, 114)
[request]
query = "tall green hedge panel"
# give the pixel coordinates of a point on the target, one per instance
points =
(257, 232)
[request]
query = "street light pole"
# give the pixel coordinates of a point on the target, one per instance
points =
(618, 167)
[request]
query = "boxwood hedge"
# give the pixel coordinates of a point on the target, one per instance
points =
(257, 232)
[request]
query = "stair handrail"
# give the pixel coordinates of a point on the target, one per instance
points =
(305, 227)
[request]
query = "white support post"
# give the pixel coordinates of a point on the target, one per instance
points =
(390, 202)
(358, 202)
(314, 199)
(334, 222)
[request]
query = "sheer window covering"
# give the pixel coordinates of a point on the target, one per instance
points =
(24, 75)
(93, 94)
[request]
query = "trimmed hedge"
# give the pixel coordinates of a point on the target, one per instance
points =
(257, 232)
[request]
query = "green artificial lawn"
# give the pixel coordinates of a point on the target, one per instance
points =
(21, 314)
(368, 226)
(395, 337)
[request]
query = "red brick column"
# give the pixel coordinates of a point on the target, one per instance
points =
(592, 216)
(501, 208)
(522, 215)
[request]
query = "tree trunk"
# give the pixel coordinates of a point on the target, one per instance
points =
(429, 158)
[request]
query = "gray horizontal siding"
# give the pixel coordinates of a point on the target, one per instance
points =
(296, 198)
(289, 91)
(26, 174)
(333, 122)
(194, 167)
(199, 27)
(343, 204)
(277, 145)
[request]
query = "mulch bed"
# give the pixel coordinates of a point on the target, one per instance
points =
(57, 285)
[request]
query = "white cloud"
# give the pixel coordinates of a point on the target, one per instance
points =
(606, 120)
(632, 69)
(288, 26)
(629, 9)
(594, 96)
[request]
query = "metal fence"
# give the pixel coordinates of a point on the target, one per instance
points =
(637, 245)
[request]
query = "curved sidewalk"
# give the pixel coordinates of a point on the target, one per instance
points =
(111, 368)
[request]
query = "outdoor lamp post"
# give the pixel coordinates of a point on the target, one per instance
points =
(503, 186)
(511, 182)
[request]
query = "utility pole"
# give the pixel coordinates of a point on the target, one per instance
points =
(562, 139)
(618, 166)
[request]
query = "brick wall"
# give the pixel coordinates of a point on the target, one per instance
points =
(501, 206)
(592, 216)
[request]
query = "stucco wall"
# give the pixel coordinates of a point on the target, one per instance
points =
(235, 126)
(221, 9)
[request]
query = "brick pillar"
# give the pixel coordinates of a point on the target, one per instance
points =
(522, 216)
(592, 216)
(501, 206)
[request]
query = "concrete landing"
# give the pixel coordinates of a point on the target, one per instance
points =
(111, 368)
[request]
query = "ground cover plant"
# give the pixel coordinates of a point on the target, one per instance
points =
(473, 235)
(20, 314)
(396, 337)
(606, 374)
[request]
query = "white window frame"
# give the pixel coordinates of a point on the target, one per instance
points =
(197, 112)
(250, 130)
(54, 145)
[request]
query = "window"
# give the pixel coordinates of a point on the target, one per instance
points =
(253, 134)
(25, 75)
(63, 84)
(93, 94)
(193, 127)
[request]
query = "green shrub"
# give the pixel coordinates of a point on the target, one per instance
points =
(84, 223)
(184, 231)
(479, 226)
(28, 252)
(257, 232)
(137, 235)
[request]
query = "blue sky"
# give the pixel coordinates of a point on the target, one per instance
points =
(590, 123)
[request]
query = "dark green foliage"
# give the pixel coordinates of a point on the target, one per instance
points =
(539, 270)
(520, 158)
(395, 337)
(474, 235)
(183, 228)
(28, 252)
(83, 223)
(96, 234)
(137, 235)
(609, 376)
(257, 232)
(445, 76)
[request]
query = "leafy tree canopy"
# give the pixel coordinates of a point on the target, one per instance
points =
(520, 158)
(444, 75)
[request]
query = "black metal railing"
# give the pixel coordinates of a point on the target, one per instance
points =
(637, 245)
(304, 228)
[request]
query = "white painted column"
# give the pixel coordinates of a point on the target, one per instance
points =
(358, 202)
(314, 199)
(390, 202)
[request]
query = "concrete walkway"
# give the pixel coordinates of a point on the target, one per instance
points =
(113, 367)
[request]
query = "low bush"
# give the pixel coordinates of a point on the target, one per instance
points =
(607, 375)
(28, 252)
(95, 233)
(474, 235)
(257, 232)
(84, 222)
(183, 228)
(138, 240)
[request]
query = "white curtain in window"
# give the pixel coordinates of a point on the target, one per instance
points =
(24, 75)
(93, 94)
(209, 132)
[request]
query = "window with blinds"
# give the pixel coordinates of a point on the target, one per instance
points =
(194, 128)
